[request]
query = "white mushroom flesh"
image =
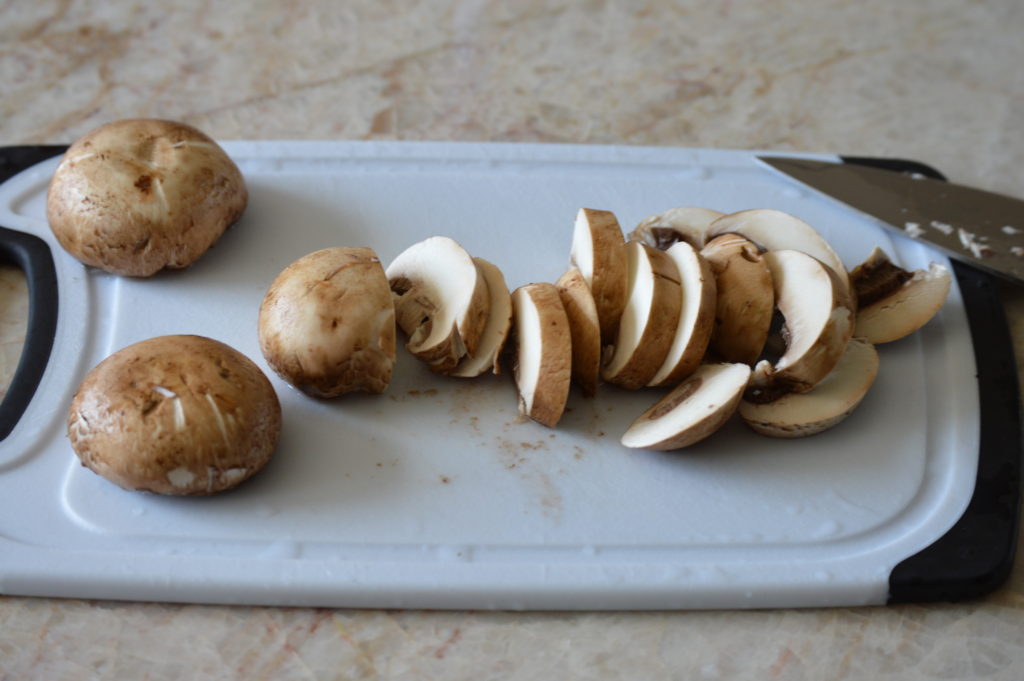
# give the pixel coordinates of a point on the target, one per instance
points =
(693, 410)
(495, 333)
(697, 310)
(441, 297)
(831, 401)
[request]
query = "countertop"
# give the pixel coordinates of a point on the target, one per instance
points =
(939, 82)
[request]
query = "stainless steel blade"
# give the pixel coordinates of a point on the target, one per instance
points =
(981, 228)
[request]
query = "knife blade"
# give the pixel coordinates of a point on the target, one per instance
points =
(978, 227)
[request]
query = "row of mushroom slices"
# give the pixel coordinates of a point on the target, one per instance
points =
(769, 323)
(751, 312)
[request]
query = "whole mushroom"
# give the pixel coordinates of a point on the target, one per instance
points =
(181, 415)
(136, 196)
(327, 323)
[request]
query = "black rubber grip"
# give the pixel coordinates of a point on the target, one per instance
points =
(32, 256)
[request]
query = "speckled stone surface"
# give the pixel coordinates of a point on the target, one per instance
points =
(938, 81)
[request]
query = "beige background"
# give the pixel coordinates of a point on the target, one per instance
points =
(941, 81)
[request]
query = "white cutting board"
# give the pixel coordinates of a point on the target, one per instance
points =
(435, 494)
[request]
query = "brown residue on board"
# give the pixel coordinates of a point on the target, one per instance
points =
(537, 481)
(445, 479)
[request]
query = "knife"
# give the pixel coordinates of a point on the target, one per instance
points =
(980, 228)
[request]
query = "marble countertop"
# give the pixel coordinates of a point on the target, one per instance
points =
(939, 82)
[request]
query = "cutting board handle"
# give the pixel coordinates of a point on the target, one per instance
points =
(33, 257)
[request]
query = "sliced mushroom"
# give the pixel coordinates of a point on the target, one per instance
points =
(746, 301)
(685, 223)
(543, 366)
(441, 301)
(649, 320)
(831, 401)
(817, 324)
(585, 329)
(774, 230)
(893, 302)
(597, 251)
(694, 409)
(696, 316)
(495, 333)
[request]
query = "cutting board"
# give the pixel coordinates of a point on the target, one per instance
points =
(436, 494)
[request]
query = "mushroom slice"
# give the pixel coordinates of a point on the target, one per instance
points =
(831, 401)
(696, 316)
(649, 320)
(585, 329)
(598, 254)
(543, 366)
(817, 324)
(773, 230)
(495, 333)
(745, 302)
(685, 223)
(441, 301)
(694, 409)
(892, 302)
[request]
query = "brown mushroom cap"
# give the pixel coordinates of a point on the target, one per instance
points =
(136, 196)
(327, 323)
(175, 415)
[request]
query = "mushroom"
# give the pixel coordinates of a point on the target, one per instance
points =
(136, 196)
(584, 329)
(685, 223)
(441, 301)
(817, 324)
(327, 323)
(649, 321)
(892, 302)
(175, 415)
(696, 316)
(543, 367)
(693, 410)
(745, 302)
(773, 230)
(831, 400)
(495, 333)
(597, 251)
